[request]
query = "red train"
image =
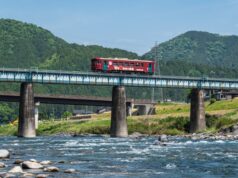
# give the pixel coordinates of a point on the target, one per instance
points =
(122, 65)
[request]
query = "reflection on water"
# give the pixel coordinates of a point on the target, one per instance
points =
(126, 157)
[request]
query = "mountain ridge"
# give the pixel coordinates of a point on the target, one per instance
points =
(199, 48)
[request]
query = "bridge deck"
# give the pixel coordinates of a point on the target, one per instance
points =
(83, 78)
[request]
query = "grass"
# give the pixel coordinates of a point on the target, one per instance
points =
(8, 130)
(170, 118)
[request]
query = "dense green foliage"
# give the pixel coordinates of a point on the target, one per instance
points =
(24, 45)
(199, 48)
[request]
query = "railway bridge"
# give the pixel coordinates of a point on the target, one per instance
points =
(27, 77)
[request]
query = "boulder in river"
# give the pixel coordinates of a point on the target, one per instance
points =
(31, 165)
(2, 174)
(42, 175)
(70, 171)
(163, 138)
(18, 161)
(16, 169)
(135, 135)
(51, 169)
(47, 162)
(4, 154)
(7, 175)
(2, 165)
(28, 175)
(33, 160)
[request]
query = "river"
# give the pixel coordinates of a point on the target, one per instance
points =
(102, 156)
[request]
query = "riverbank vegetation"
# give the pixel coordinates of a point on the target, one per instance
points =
(170, 118)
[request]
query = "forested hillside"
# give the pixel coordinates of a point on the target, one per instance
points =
(24, 45)
(199, 48)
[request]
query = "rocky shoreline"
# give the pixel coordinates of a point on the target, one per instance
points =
(30, 168)
(46, 168)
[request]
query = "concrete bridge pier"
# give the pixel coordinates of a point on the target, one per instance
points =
(197, 111)
(37, 104)
(118, 116)
(128, 111)
(26, 124)
(144, 109)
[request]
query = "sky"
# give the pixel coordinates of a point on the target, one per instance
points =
(134, 25)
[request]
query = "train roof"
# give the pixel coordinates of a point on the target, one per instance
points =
(123, 59)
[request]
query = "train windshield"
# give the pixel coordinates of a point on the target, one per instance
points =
(95, 61)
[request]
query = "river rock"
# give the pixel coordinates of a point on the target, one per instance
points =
(16, 169)
(2, 165)
(163, 138)
(33, 160)
(70, 171)
(62, 161)
(42, 175)
(18, 161)
(135, 135)
(31, 165)
(7, 175)
(2, 174)
(4, 154)
(51, 169)
(47, 162)
(234, 129)
(28, 175)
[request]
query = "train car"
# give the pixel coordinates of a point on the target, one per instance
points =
(122, 65)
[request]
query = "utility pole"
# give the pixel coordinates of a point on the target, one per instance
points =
(155, 58)
(157, 64)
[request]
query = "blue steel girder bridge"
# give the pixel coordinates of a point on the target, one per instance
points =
(84, 78)
(26, 126)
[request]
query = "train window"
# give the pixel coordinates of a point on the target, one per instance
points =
(137, 64)
(105, 62)
(131, 64)
(126, 64)
(142, 64)
(115, 64)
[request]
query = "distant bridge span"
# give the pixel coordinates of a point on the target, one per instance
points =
(71, 100)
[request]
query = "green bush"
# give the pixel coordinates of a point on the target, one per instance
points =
(212, 100)
(211, 120)
(224, 122)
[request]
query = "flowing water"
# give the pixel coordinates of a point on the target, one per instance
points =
(101, 156)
